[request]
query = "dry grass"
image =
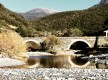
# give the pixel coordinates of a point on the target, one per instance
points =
(51, 42)
(12, 45)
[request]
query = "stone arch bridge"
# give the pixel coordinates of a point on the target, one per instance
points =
(69, 42)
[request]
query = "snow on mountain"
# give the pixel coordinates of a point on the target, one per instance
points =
(38, 13)
(40, 10)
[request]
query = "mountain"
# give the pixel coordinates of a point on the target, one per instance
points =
(37, 13)
(101, 3)
(90, 22)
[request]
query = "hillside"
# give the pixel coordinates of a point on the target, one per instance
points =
(90, 22)
(37, 13)
(12, 20)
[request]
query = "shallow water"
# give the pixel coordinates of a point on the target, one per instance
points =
(49, 61)
(38, 57)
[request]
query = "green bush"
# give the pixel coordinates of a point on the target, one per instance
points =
(75, 32)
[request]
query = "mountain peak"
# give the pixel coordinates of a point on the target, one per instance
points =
(44, 10)
(38, 13)
(103, 2)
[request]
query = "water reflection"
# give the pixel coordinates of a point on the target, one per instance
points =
(49, 61)
(57, 61)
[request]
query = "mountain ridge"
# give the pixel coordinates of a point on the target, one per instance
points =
(101, 3)
(91, 21)
(38, 13)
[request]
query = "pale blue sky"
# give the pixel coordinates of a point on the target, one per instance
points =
(59, 5)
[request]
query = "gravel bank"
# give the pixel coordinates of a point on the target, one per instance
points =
(53, 74)
(10, 62)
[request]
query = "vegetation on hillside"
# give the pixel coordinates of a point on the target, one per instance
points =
(12, 20)
(92, 21)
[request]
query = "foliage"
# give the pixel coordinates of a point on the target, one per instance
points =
(75, 32)
(8, 18)
(92, 21)
(50, 42)
(11, 44)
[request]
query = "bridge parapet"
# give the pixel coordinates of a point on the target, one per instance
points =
(68, 41)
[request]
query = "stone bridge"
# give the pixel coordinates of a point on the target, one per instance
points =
(69, 42)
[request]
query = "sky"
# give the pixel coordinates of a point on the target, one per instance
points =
(59, 5)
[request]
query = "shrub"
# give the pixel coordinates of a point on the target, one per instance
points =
(51, 42)
(12, 45)
(76, 32)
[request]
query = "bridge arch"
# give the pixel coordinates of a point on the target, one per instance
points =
(74, 60)
(77, 44)
(32, 45)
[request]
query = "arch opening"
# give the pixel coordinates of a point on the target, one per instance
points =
(32, 46)
(76, 60)
(79, 45)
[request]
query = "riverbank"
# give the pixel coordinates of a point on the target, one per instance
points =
(53, 74)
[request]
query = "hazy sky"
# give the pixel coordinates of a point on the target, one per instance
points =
(59, 5)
